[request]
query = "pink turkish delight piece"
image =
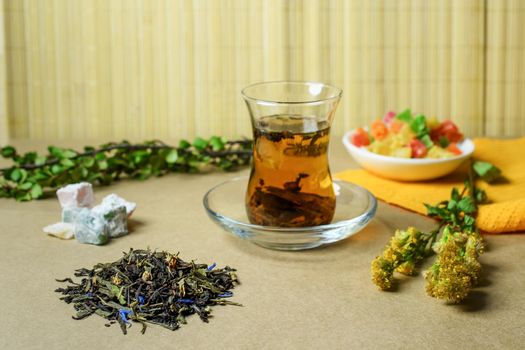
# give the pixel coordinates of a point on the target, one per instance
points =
(78, 195)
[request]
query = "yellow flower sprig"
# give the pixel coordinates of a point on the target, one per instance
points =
(456, 269)
(406, 249)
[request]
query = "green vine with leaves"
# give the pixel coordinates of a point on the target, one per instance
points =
(32, 175)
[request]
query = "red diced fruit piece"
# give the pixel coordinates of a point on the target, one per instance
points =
(378, 129)
(419, 150)
(446, 129)
(360, 138)
(389, 117)
(453, 147)
(396, 126)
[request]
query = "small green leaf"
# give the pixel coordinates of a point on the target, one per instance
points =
(36, 191)
(486, 171)
(225, 164)
(24, 175)
(40, 160)
(435, 211)
(68, 163)
(28, 158)
(26, 186)
(200, 143)
(56, 169)
(469, 220)
(100, 156)
(23, 197)
(56, 152)
(88, 161)
(16, 175)
(8, 151)
(102, 164)
(216, 143)
(480, 195)
(454, 194)
(184, 144)
(69, 153)
(40, 175)
(172, 156)
(467, 205)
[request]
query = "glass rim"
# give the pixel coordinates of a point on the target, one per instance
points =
(338, 92)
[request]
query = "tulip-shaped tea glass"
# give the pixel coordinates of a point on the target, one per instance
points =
(290, 184)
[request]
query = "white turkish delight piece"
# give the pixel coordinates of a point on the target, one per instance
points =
(76, 195)
(69, 214)
(114, 201)
(61, 230)
(90, 228)
(115, 218)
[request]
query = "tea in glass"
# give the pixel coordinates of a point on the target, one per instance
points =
(290, 183)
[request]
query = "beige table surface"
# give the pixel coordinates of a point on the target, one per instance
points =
(317, 299)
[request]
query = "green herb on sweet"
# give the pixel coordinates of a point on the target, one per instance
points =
(32, 175)
(405, 116)
(419, 125)
(458, 243)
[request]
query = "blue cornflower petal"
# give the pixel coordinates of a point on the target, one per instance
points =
(185, 301)
(212, 266)
(141, 300)
(225, 295)
(124, 314)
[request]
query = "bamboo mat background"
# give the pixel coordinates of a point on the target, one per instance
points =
(174, 69)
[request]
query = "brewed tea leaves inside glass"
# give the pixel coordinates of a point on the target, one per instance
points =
(290, 184)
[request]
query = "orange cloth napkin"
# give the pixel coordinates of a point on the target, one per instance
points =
(505, 211)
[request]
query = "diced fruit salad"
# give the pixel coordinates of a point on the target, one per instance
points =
(410, 136)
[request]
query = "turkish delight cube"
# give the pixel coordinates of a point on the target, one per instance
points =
(76, 195)
(91, 228)
(61, 230)
(115, 218)
(114, 201)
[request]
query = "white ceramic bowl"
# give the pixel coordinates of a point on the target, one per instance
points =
(407, 169)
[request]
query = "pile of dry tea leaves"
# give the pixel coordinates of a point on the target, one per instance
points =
(149, 287)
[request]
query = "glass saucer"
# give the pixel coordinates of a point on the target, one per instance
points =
(355, 207)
